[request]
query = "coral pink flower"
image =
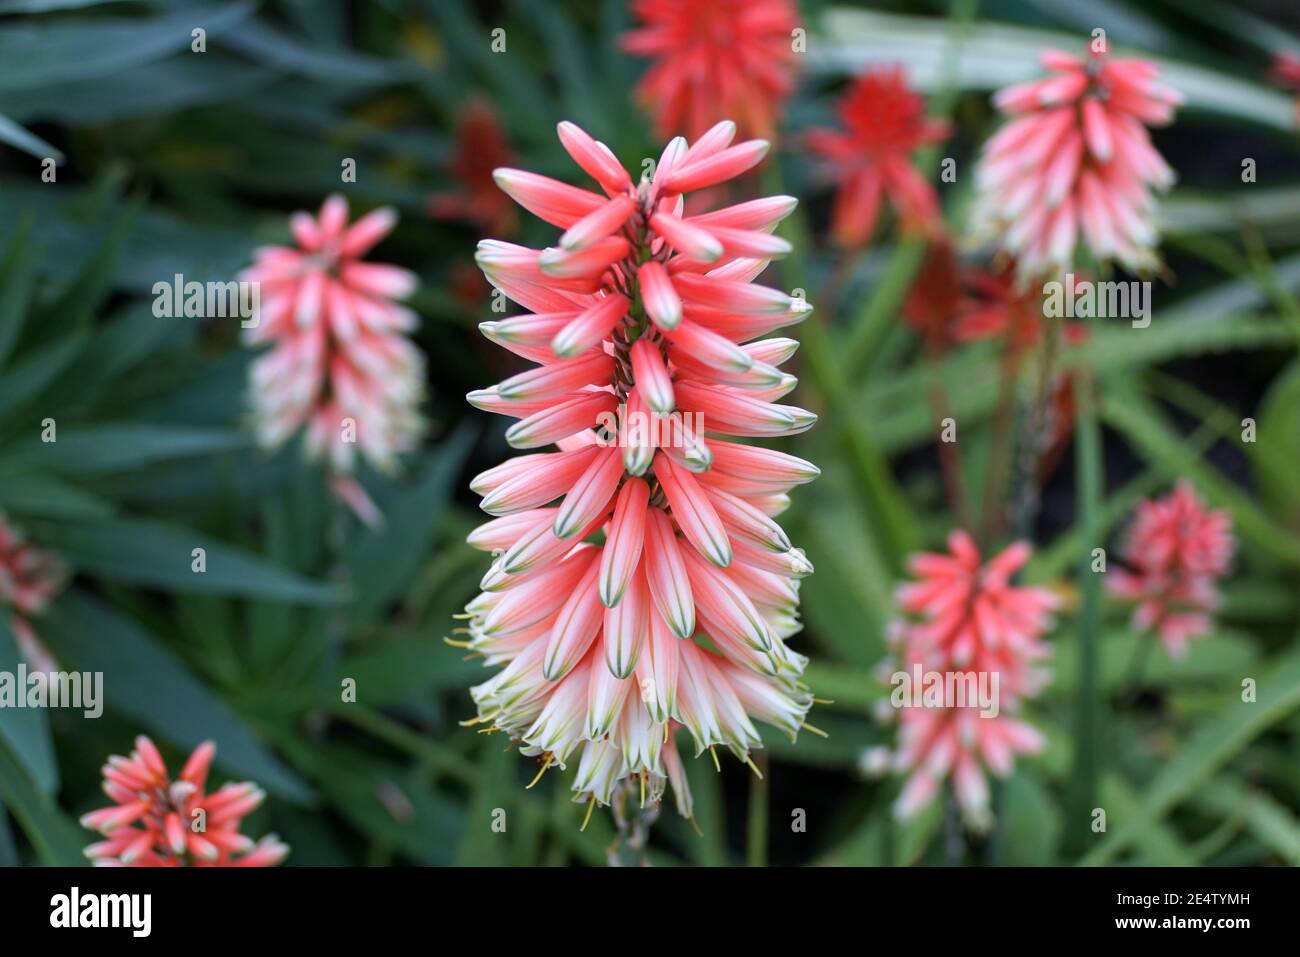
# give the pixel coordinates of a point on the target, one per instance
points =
(713, 61)
(29, 579)
(937, 295)
(340, 364)
(884, 125)
(934, 743)
(481, 147)
(1176, 550)
(965, 617)
(645, 328)
(1286, 74)
(1286, 70)
(1076, 161)
(157, 822)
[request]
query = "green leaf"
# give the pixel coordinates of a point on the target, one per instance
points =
(80, 300)
(142, 552)
(17, 279)
(1210, 746)
(1029, 823)
(1272, 824)
(47, 497)
(41, 52)
(48, 6)
(387, 802)
(28, 378)
(149, 90)
(400, 666)
(57, 840)
(145, 682)
(1187, 211)
(1207, 660)
(281, 51)
(26, 730)
(30, 143)
(115, 447)
(383, 563)
(481, 845)
(1160, 845)
(709, 848)
(1279, 429)
(8, 849)
(1174, 336)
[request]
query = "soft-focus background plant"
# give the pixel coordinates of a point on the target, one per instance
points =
(173, 162)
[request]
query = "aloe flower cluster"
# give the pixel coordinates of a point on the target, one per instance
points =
(1176, 550)
(639, 583)
(157, 822)
(964, 615)
(30, 577)
(339, 366)
(1075, 162)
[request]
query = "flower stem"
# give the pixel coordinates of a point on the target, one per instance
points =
(633, 818)
(1088, 465)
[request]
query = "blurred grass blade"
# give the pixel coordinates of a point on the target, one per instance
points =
(26, 730)
(57, 840)
(1088, 728)
(30, 143)
(382, 564)
(121, 446)
(144, 552)
(35, 53)
(17, 280)
(1210, 746)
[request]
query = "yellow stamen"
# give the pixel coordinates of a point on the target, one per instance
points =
(716, 764)
(823, 701)
(814, 730)
(545, 765)
(695, 827)
(591, 807)
(753, 767)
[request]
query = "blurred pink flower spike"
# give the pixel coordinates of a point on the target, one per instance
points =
(1075, 163)
(340, 364)
(965, 619)
(1176, 551)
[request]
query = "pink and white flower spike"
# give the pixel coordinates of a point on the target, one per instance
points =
(1176, 551)
(157, 822)
(639, 583)
(340, 364)
(1075, 163)
(964, 617)
(30, 577)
